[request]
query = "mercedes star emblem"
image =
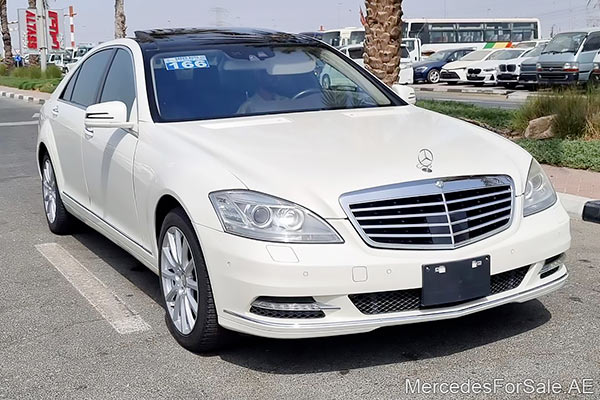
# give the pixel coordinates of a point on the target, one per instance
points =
(425, 160)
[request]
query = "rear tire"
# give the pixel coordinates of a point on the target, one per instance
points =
(59, 220)
(184, 282)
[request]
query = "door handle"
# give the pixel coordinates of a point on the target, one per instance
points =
(88, 133)
(55, 111)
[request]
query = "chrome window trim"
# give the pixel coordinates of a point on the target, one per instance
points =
(426, 188)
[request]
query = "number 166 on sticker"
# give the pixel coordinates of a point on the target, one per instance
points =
(188, 62)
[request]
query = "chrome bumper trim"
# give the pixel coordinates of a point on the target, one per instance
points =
(425, 316)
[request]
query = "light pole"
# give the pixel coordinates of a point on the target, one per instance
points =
(41, 33)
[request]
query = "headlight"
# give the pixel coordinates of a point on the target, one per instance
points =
(539, 193)
(538, 66)
(571, 67)
(259, 216)
(421, 69)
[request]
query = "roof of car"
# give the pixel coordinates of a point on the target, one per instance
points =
(191, 37)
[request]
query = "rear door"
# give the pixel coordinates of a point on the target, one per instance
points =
(67, 116)
(588, 53)
(108, 153)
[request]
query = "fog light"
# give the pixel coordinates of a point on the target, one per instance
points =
(291, 304)
(552, 265)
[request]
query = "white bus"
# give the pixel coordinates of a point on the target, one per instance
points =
(488, 33)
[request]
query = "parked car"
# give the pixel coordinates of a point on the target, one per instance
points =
(569, 58)
(486, 71)
(509, 74)
(269, 205)
(429, 69)
(356, 51)
(455, 72)
(530, 44)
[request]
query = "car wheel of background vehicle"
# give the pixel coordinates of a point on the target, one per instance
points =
(326, 82)
(510, 85)
(59, 220)
(191, 315)
(433, 76)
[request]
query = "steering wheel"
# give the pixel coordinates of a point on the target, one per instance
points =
(306, 92)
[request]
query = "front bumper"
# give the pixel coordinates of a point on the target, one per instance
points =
(454, 75)
(483, 77)
(557, 78)
(507, 77)
(241, 270)
(421, 76)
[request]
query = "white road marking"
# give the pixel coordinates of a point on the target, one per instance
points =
(122, 318)
(20, 123)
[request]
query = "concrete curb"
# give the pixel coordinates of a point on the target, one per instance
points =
(442, 89)
(17, 96)
(574, 204)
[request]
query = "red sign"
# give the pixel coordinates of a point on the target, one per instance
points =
(30, 21)
(53, 27)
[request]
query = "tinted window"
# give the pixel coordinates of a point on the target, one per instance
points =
(592, 43)
(68, 92)
(237, 80)
(90, 75)
(119, 85)
(356, 54)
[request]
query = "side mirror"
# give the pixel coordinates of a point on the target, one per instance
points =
(112, 114)
(406, 93)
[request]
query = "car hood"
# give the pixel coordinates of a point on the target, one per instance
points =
(428, 64)
(459, 64)
(488, 64)
(312, 158)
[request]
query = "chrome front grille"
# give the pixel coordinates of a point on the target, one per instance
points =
(432, 214)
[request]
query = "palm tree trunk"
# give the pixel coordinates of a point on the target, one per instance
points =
(383, 38)
(34, 59)
(8, 54)
(120, 23)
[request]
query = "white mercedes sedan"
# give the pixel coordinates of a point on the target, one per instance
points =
(270, 205)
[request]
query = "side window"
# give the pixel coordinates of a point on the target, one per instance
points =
(90, 75)
(68, 92)
(120, 81)
(592, 43)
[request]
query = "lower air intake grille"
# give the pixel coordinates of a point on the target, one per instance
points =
(287, 314)
(409, 300)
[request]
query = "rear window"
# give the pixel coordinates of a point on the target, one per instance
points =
(241, 80)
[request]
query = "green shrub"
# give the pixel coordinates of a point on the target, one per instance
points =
(494, 117)
(3, 70)
(577, 112)
(20, 72)
(53, 72)
(579, 154)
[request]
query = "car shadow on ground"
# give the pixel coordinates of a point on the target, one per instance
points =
(393, 345)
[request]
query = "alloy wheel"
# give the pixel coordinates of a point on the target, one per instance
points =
(179, 280)
(434, 76)
(49, 191)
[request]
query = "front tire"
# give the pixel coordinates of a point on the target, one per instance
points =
(433, 76)
(191, 315)
(59, 220)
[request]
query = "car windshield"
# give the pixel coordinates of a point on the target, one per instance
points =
(535, 52)
(476, 56)
(357, 37)
(439, 56)
(242, 80)
(506, 54)
(565, 43)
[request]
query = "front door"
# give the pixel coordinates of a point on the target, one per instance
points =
(109, 154)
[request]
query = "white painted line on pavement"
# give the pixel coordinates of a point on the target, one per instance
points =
(20, 123)
(122, 318)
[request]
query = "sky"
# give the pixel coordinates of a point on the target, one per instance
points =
(94, 20)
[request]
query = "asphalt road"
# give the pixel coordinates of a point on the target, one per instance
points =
(54, 344)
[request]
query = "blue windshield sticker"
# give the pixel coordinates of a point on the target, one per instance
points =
(186, 62)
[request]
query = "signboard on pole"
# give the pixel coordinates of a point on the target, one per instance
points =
(28, 34)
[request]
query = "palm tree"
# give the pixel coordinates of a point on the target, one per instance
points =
(120, 24)
(383, 38)
(8, 55)
(34, 59)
